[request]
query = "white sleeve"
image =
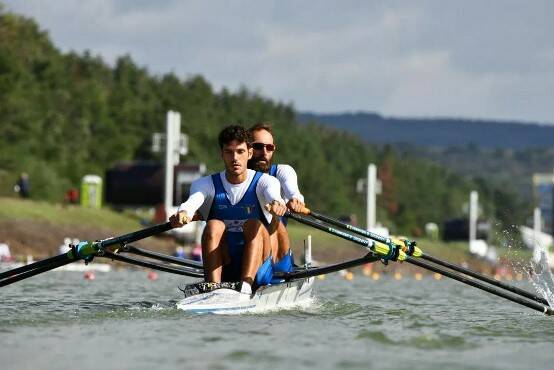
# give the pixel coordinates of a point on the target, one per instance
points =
(201, 196)
(289, 182)
(268, 189)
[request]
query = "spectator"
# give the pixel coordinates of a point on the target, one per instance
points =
(71, 196)
(22, 187)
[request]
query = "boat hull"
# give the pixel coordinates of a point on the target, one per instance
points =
(267, 298)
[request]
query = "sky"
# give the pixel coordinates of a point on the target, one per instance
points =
(465, 59)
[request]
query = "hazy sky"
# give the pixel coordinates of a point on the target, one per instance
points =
(476, 59)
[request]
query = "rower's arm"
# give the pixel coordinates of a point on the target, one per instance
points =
(289, 182)
(201, 193)
(269, 192)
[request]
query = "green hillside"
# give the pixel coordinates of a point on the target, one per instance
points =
(64, 115)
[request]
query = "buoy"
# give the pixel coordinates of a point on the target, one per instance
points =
(437, 276)
(418, 276)
(89, 275)
(397, 276)
(349, 276)
(375, 276)
(152, 275)
(196, 253)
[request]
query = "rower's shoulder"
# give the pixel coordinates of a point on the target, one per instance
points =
(202, 181)
(285, 170)
(266, 179)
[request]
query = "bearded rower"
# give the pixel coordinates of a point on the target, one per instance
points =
(263, 149)
(236, 243)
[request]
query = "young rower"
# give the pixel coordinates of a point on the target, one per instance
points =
(263, 149)
(235, 243)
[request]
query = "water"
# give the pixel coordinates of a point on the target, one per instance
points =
(124, 321)
(541, 276)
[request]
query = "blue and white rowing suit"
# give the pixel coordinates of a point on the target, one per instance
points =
(234, 204)
(234, 217)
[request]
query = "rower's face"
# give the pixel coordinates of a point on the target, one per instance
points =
(262, 157)
(235, 156)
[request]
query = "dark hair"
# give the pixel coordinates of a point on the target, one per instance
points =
(234, 132)
(261, 126)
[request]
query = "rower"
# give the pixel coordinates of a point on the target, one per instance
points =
(235, 242)
(263, 149)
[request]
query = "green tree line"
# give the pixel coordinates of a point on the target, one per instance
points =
(64, 115)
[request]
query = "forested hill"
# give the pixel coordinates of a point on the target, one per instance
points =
(444, 132)
(64, 115)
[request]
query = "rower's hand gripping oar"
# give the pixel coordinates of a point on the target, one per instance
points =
(530, 301)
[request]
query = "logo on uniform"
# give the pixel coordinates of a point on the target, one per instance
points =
(249, 209)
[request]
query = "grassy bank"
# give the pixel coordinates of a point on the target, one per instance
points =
(65, 215)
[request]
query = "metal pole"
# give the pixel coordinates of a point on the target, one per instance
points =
(172, 117)
(371, 183)
(473, 209)
(537, 248)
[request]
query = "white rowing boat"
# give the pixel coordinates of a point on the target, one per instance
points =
(294, 293)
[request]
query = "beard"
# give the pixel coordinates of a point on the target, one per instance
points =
(259, 164)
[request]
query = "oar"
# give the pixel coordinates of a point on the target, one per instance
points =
(27, 274)
(315, 271)
(464, 279)
(84, 250)
(416, 252)
(134, 236)
(162, 257)
(35, 265)
(187, 271)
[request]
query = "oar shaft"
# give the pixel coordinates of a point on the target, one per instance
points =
(357, 230)
(137, 235)
(162, 257)
(36, 271)
(34, 265)
(476, 284)
(153, 265)
(331, 230)
(304, 273)
(487, 279)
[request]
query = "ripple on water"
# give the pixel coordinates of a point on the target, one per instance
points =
(431, 340)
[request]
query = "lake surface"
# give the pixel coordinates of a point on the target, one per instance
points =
(122, 320)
